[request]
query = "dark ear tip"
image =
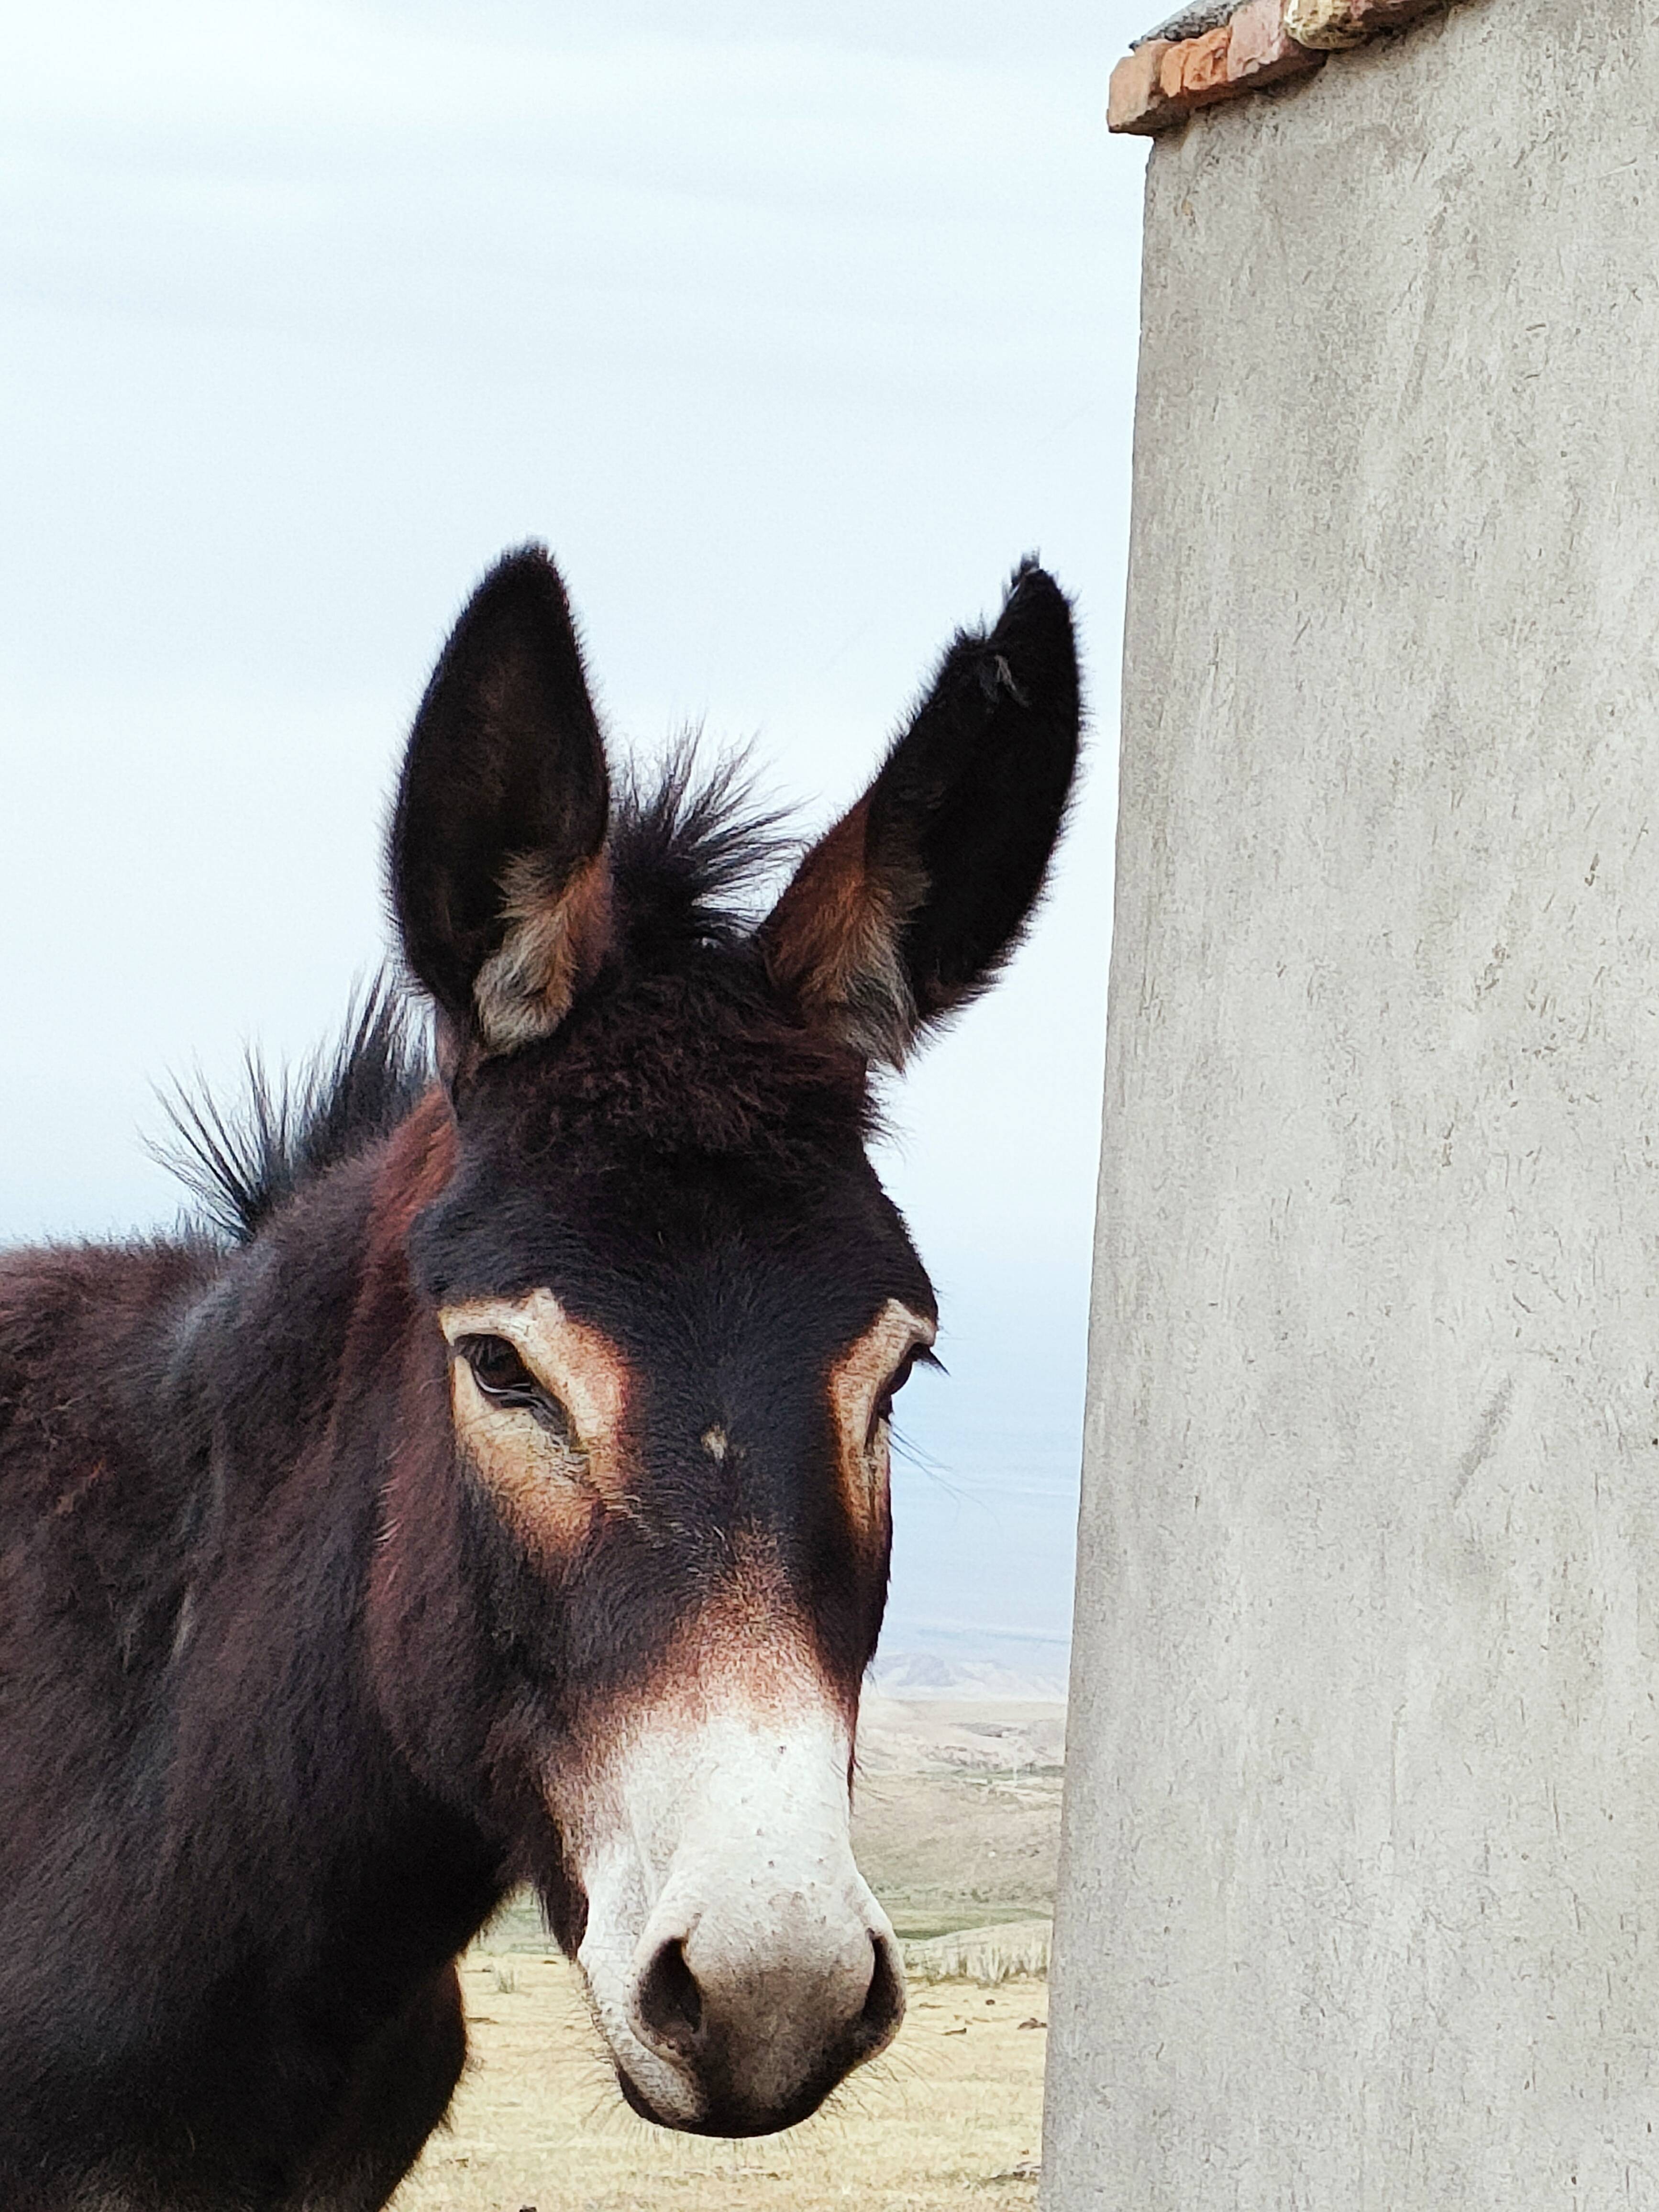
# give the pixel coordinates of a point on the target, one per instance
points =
(525, 578)
(1033, 594)
(1034, 630)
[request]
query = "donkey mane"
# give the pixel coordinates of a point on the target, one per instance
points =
(242, 1161)
(688, 851)
(689, 848)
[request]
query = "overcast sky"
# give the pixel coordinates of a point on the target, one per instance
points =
(789, 328)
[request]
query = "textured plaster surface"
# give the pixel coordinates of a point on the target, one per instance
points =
(1360, 1878)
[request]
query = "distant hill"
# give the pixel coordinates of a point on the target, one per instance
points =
(912, 1674)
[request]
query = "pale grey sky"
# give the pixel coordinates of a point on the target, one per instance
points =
(789, 328)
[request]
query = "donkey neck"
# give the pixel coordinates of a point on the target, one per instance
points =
(298, 1361)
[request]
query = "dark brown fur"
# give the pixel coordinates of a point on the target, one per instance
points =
(278, 1689)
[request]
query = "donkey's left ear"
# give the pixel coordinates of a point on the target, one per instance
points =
(911, 904)
(499, 873)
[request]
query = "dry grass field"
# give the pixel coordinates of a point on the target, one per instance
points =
(949, 2117)
(956, 1826)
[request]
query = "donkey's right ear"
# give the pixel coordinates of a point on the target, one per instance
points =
(499, 874)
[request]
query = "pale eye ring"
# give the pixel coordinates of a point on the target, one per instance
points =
(503, 1379)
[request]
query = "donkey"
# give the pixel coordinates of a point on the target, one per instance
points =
(505, 1498)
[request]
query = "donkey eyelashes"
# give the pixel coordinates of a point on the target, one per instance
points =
(920, 1355)
(499, 1371)
(503, 1379)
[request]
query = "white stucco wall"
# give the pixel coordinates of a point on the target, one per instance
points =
(1360, 1884)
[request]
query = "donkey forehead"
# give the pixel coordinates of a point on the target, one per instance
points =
(661, 1248)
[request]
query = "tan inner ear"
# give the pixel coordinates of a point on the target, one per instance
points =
(549, 1492)
(556, 934)
(833, 937)
(856, 1382)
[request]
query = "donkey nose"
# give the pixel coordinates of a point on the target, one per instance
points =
(766, 2026)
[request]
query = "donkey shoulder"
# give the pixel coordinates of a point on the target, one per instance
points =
(94, 1479)
(85, 1338)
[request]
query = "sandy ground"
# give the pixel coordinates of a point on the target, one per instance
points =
(955, 1818)
(906, 1735)
(957, 1826)
(950, 2116)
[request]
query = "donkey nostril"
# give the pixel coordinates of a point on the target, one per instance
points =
(670, 2002)
(883, 2002)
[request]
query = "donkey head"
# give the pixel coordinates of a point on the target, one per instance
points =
(670, 1308)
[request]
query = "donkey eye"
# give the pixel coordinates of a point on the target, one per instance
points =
(901, 1375)
(498, 1370)
(504, 1379)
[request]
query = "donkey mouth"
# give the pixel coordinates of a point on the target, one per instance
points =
(729, 2095)
(730, 2115)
